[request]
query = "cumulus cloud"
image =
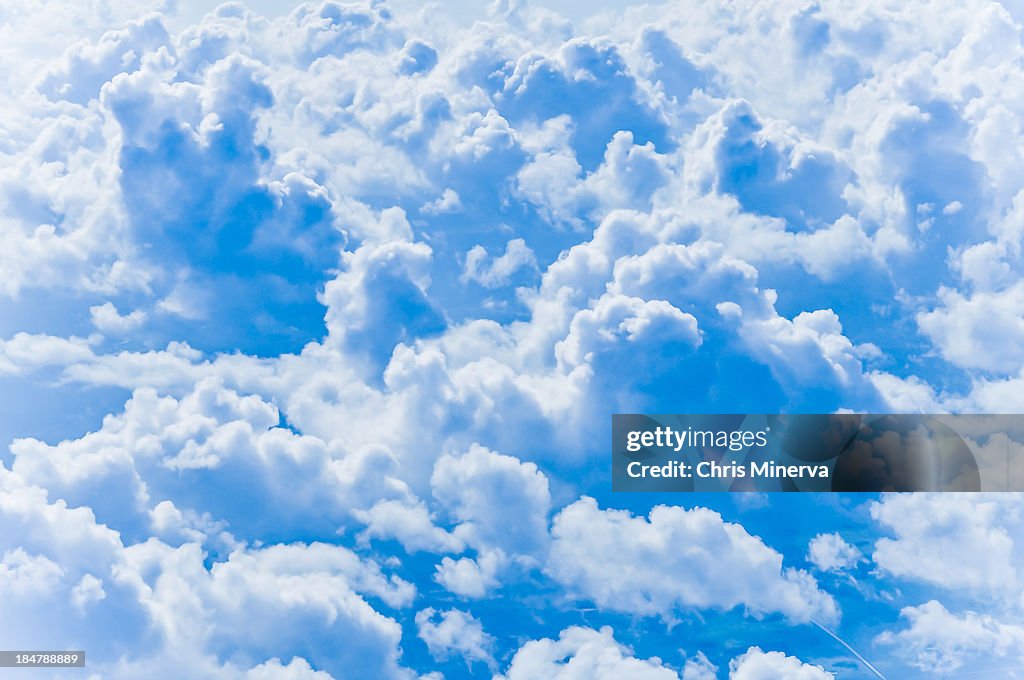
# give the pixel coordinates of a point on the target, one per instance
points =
(258, 231)
(24, 352)
(408, 523)
(517, 256)
(699, 668)
(499, 501)
(980, 331)
(455, 632)
(932, 532)
(107, 319)
(213, 438)
(583, 652)
(938, 641)
(296, 669)
(829, 552)
(679, 560)
(268, 602)
(471, 577)
(756, 664)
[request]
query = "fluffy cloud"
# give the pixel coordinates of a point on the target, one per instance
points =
(677, 560)
(981, 331)
(266, 603)
(667, 207)
(25, 352)
(938, 641)
(455, 632)
(953, 541)
(296, 669)
(85, 67)
(583, 653)
(756, 664)
(699, 668)
(517, 256)
(469, 577)
(163, 448)
(408, 523)
(829, 552)
(499, 501)
(107, 319)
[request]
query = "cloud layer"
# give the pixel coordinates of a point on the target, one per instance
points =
(311, 320)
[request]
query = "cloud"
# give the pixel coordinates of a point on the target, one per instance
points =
(801, 183)
(296, 669)
(678, 560)
(755, 664)
(60, 558)
(89, 590)
(409, 524)
(264, 603)
(933, 531)
(222, 231)
(24, 352)
(86, 67)
(455, 633)
(938, 641)
(618, 322)
(517, 256)
(448, 202)
(699, 668)
(981, 331)
(256, 233)
(829, 552)
(469, 577)
(194, 449)
(107, 319)
(583, 652)
(499, 501)
(23, 575)
(396, 272)
(553, 181)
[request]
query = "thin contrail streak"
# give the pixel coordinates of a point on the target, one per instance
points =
(851, 649)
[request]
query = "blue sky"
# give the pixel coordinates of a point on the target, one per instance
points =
(312, 320)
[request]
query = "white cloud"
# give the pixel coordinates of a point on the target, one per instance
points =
(974, 532)
(296, 669)
(88, 591)
(55, 571)
(107, 319)
(455, 632)
(583, 653)
(23, 575)
(25, 352)
(829, 552)
(448, 202)
(517, 256)
(85, 67)
(218, 439)
(395, 272)
(678, 560)
(756, 664)
(981, 331)
(409, 524)
(826, 355)
(267, 602)
(699, 668)
(469, 577)
(499, 501)
(698, 170)
(938, 641)
(628, 323)
(628, 177)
